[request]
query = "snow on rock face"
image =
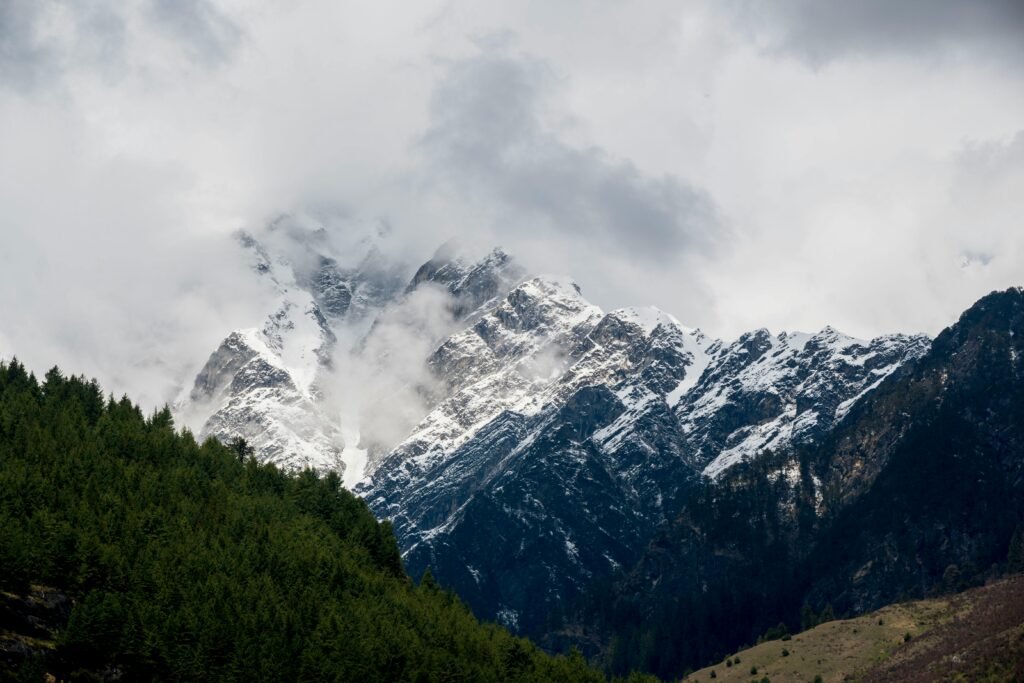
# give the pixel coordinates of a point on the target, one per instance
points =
(545, 377)
(562, 437)
(261, 384)
(499, 363)
(264, 384)
(271, 385)
(545, 440)
(767, 392)
(475, 286)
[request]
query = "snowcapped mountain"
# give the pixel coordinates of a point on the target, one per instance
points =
(266, 384)
(274, 385)
(562, 437)
(522, 441)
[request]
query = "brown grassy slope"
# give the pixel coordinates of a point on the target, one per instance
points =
(982, 641)
(974, 636)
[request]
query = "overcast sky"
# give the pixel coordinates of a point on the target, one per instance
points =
(737, 163)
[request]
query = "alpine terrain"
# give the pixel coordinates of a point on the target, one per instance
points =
(549, 441)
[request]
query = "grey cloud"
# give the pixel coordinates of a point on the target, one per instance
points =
(24, 58)
(32, 57)
(487, 137)
(208, 34)
(819, 32)
(984, 161)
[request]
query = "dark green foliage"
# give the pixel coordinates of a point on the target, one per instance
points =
(191, 561)
(778, 632)
(1015, 556)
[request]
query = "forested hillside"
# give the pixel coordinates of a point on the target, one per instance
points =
(175, 560)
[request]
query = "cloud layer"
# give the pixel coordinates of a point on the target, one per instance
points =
(736, 164)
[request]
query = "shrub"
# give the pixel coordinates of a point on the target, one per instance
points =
(753, 671)
(907, 637)
(785, 652)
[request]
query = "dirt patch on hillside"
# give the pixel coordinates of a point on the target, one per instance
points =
(983, 640)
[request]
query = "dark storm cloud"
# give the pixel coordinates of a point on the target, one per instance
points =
(488, 138)
(196, 24)
(819, 32)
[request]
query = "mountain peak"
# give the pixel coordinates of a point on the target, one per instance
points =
(649, 318)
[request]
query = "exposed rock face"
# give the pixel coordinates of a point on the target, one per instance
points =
(765, 392)
(30, 623)
(475, 286)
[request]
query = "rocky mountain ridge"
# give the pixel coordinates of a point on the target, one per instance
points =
(571, 435)
(544, 441)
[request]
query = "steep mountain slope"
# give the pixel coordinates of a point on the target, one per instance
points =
(765, 392)
(274, 385)
(925, 482)
(919, 489)
(562, 437)
(262, 384)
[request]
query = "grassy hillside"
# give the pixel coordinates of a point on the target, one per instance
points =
(977, 635)
(130, 551)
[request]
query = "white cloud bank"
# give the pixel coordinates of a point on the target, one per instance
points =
(735, 166)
